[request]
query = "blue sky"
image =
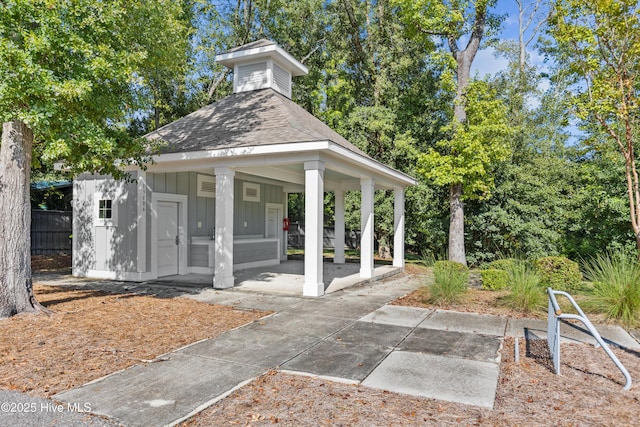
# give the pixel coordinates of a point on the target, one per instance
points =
(485, 61)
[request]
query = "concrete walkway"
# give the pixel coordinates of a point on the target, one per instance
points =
(352, 336)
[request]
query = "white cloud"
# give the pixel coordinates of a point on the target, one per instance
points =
(486, 63)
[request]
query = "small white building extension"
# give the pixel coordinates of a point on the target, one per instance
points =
(215, 198)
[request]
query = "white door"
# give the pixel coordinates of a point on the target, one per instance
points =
(167, 238)
(273, 222)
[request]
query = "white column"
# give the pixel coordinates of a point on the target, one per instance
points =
(141, 225)
(285, 234)
(366, 239)
(224, 229)
(398, 227)
(313, 219)
(338, 257)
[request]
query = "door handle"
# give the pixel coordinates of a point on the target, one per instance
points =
(177, 240)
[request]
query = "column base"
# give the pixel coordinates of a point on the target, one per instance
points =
(313, 289)
(366, 273)
(223, 282)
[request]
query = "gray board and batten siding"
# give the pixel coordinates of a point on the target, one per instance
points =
(109, 246)
(113, 246)
(202, 210)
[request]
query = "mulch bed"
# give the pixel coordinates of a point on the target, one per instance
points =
(589, 392)
(92, 333)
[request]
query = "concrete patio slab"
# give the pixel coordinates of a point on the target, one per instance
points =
(466, 322)
(398, 315)
(453, 344)
(284, 323)
(347, 308)
(288, 277)
(455, 380)
(161, 392)
(252, 347)
(367, 333)
(335, 359)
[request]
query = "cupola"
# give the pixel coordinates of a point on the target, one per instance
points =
(262, 64)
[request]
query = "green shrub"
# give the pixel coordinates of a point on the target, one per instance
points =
(502, 264)
(559, 273)
(616, 287)
(450, 282)
(525, 294)
(494, 279)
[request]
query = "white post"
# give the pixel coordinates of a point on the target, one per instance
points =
(398, 227)
(338, 256)
(313, 218)
(224, 229)
(366, 239)
(285, 234)
(142, 221)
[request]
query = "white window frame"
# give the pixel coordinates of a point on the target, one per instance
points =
(105, 222)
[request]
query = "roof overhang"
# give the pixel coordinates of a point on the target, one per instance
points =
(335, 157)
(228, 59)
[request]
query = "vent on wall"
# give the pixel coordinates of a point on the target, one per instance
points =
(206, 186)
(282, 80)
(252, 76)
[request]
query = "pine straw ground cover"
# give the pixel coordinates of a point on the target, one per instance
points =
(92, 334)
(588, 393)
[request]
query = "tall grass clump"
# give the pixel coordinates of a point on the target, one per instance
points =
(450, 282)
(525, 294)
(616, 287)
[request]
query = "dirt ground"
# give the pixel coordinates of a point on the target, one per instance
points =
(92, 334)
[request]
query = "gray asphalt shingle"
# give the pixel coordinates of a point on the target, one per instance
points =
(256, 118)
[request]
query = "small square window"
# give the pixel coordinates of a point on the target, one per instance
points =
(105, 209)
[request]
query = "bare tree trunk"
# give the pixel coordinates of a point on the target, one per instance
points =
(456, 225)
(16, 290)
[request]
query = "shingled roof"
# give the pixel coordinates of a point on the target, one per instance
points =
(256, 118)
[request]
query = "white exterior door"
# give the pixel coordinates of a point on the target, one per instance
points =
(273, 225)
(273, 222)
(168, 243)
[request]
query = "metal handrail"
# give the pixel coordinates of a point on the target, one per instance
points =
(553, 333)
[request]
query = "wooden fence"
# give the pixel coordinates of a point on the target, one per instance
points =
(50, 232)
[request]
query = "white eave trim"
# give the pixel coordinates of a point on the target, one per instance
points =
(229, 58)
(289, 148)
(372, 164)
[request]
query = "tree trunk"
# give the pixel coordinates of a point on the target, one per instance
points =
(464, 59)
(16, 290)
(456, 225)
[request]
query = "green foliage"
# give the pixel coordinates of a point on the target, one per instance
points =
(525, 294)
(494, 279)
(74, 72)
(467, 157)
(559, 273)
(595, 46)
(616, 286)
(450, 282)
(504, 264)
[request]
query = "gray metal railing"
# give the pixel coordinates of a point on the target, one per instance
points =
(555, 314)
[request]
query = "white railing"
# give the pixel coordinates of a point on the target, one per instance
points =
(555, 314)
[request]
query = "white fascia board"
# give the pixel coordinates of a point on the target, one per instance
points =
(295, 67)
(243, 151)
(374, 165)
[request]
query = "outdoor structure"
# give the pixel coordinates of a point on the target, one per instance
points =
(215, 198)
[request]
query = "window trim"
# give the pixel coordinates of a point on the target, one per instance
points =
(104, 221)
